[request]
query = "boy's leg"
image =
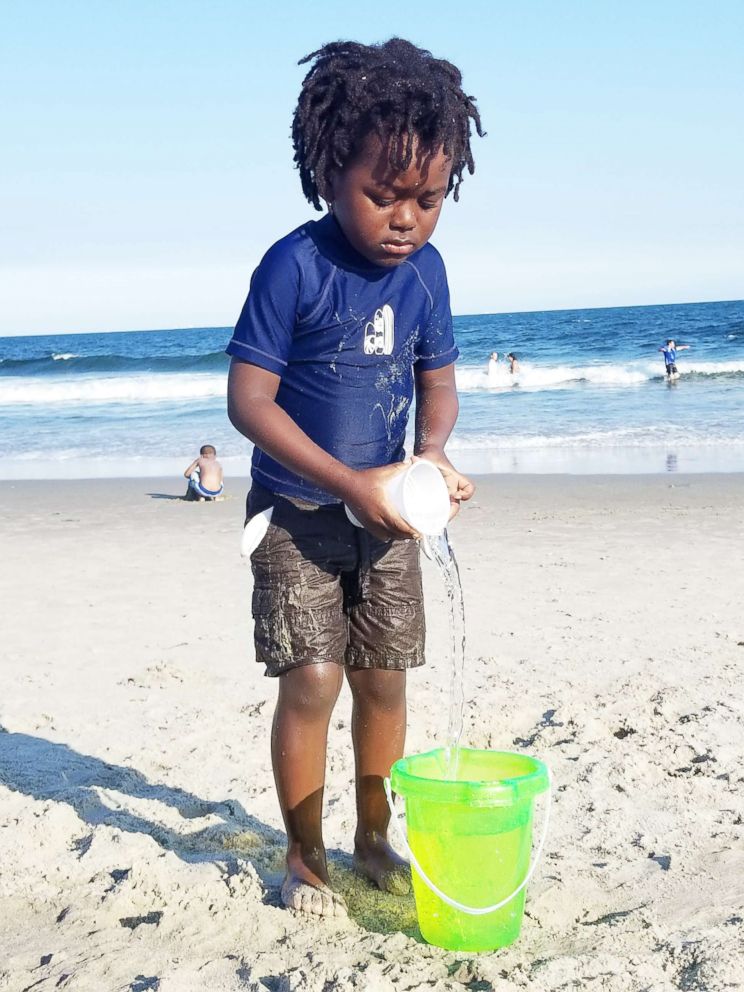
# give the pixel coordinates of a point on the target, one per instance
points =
(298, 750)
(300, 634)
(378, 730)
(386, 637)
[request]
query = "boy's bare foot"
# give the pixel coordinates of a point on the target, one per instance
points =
(309, 893)
(375, 858)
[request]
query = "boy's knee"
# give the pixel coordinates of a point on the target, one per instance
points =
(378, 687)
(312, 689)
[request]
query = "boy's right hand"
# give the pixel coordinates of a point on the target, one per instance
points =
(365, 496)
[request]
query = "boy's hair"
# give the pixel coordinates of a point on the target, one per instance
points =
(670, 340)
(394, 90)
(207, 449)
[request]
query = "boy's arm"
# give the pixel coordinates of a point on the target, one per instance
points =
(436, 412)
(191, 468)
(251, 407)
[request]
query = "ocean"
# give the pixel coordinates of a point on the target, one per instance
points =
(590, 396)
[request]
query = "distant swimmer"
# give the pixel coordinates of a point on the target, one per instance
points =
(669, 351)
(513, 363)
(493, 363)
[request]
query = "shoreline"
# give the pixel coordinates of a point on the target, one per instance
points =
(174, 481)
(713, 459)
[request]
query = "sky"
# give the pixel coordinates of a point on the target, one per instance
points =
(147, 160)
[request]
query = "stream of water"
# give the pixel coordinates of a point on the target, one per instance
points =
(446, 562)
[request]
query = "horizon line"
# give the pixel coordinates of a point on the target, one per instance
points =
(487, 313)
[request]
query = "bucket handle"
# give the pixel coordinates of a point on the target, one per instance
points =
(470, 910)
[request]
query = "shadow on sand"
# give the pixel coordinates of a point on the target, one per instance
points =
(51, 771)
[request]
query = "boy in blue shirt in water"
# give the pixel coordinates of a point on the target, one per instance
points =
(669, 351)
(346, 318)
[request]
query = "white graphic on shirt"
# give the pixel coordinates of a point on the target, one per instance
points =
(379, 333)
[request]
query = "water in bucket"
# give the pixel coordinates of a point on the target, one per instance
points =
(471, 836)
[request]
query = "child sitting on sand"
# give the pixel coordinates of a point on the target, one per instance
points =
(205, 476)
(345, 317)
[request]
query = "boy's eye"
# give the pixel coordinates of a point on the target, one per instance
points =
(381, 201)
(429, 204)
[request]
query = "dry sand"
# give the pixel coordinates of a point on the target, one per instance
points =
(140, 839)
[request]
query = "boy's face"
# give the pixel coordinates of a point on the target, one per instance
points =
(388, 215)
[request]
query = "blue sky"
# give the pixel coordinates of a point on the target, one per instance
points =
(147, 161)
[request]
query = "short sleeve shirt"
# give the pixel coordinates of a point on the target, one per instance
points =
(344, 336)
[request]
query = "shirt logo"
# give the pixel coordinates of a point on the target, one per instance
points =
(379, 333)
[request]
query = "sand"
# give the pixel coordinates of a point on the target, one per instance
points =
(140, 840)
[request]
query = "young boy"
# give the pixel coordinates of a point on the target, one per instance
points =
(345, 317)
(669, 351)
(205, 476)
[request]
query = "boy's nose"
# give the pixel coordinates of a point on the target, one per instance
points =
(403, 219)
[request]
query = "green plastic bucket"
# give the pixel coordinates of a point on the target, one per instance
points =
(470, 842)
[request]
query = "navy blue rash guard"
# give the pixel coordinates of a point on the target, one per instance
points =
(344, 335)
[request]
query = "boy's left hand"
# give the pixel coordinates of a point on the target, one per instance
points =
(459, 486)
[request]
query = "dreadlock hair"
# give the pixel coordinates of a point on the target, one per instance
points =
(395, 90)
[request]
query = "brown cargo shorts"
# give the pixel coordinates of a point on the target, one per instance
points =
(327, 591)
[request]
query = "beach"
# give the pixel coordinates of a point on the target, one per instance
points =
(141, 843)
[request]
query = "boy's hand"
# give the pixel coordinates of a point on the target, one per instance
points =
(459, 486)
(366, 498)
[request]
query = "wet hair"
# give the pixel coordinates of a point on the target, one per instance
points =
(394, 90)
(512, 356)
(670, 340)
(207, 449)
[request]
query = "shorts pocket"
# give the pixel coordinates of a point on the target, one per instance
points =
(287, 633)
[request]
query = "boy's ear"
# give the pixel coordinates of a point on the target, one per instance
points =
(326, 191)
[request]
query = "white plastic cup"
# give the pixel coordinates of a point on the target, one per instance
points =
(419, 494)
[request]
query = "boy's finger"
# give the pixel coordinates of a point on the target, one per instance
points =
(465, 489)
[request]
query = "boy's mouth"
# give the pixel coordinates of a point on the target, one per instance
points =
(398, 247)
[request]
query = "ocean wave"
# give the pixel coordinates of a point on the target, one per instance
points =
(621, 437)
(116, 389)
(535, 377)
(66, 363)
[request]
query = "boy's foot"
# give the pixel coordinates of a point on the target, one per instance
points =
(376, 860)
(303, 890)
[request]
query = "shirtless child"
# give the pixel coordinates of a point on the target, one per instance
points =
(205, 476)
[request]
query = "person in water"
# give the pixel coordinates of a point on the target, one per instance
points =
(669, 351)
(493, 363)
(346, 318)
(513, 363)
(205, 477)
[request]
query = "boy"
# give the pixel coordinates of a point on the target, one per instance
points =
(669, 351)
(205, 476)
(344, 318)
